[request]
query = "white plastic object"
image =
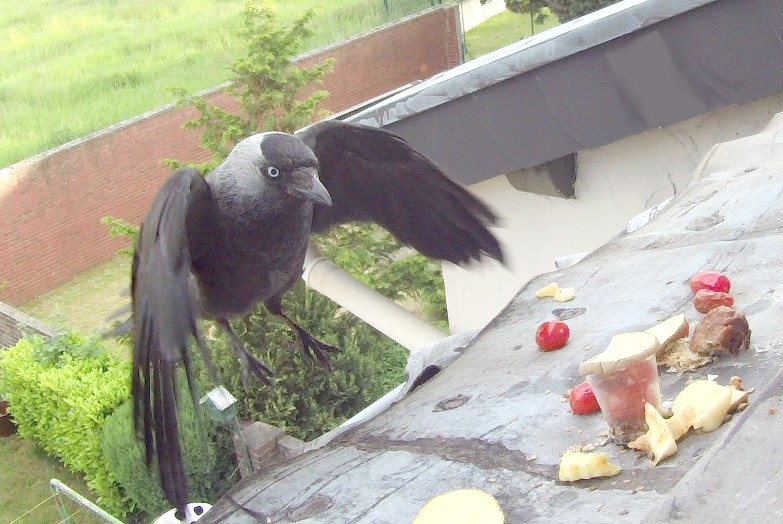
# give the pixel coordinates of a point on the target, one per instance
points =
(193, 512)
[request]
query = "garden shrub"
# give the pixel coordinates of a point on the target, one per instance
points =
(373, 256)
(60, 391)
(308, 400)
(208, 466)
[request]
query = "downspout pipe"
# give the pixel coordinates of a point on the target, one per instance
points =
(405, 328)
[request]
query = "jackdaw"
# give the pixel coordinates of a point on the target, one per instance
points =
(214, 247)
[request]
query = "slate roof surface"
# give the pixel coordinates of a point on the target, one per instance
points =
(494, 419)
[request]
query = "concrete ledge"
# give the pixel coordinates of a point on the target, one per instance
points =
(14, 325)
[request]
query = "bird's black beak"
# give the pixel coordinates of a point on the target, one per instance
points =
(306, 185)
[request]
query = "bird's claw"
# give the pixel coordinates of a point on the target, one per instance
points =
(249, 362)
(313, 349)
(258, 368)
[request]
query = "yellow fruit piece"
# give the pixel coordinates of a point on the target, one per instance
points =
(680, 423)
(547, 291)
(641, 443)
(564, 294)
(708, 400)
(658, 442)
(678, 426)
(461, 506)
(662, 442)
(578, 465)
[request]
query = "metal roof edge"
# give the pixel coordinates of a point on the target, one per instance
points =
(546, 47)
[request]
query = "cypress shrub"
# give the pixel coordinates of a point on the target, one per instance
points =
(208, 466)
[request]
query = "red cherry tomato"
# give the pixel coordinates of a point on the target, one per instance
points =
(582, 400)
(552, 335)
(711, 280)
(706, 300)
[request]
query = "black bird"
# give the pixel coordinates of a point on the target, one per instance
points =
(216, 246)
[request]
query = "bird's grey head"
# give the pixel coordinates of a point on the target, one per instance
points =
(269, 169)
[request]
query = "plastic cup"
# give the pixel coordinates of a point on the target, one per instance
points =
(622, 394)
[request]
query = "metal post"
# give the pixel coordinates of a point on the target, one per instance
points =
(58, 487)
(243, 447)
(59, 503)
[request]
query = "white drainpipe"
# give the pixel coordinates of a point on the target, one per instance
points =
(408, 330)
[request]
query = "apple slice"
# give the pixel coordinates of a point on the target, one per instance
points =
(710, 402)
(680, 423)
(678, 426)
(547, 291)
(578, 465)
(461, 506)
(669, 330)
(564, 294)
(662, 443)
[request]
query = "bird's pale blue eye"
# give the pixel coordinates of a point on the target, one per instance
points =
(272, 172)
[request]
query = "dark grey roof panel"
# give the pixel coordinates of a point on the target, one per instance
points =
(537, 100)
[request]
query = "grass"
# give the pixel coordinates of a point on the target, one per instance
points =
(24, 484)
(70, 68)
(88, 300)
(502, 30)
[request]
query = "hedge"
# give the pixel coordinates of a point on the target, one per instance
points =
(60, 391)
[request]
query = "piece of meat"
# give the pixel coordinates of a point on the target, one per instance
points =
(721, 330)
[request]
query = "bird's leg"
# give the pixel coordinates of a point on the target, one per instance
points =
(312, 348)
(249, 362)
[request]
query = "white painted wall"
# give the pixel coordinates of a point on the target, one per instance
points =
(473, 13)
(614, 183)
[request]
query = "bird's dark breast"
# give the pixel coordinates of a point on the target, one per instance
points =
(247, 263)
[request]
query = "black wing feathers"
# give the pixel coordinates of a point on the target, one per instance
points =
(164, 318)
(375, 175)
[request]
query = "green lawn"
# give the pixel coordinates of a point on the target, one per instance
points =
(24, 484)
(70, 68)
(501, 30)
(87, 300)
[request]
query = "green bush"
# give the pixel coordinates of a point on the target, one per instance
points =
(373, 256)
(307, 400)
(60, 392)
(208, 467)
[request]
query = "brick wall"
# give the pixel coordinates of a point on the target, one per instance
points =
(51, 205)
(14, 325)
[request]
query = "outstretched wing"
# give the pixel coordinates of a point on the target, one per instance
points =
(164, 317)
(375, 175)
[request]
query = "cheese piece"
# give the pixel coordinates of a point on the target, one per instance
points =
(669, 330)
(622, 351)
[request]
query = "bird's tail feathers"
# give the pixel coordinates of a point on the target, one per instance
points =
(154, 387)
